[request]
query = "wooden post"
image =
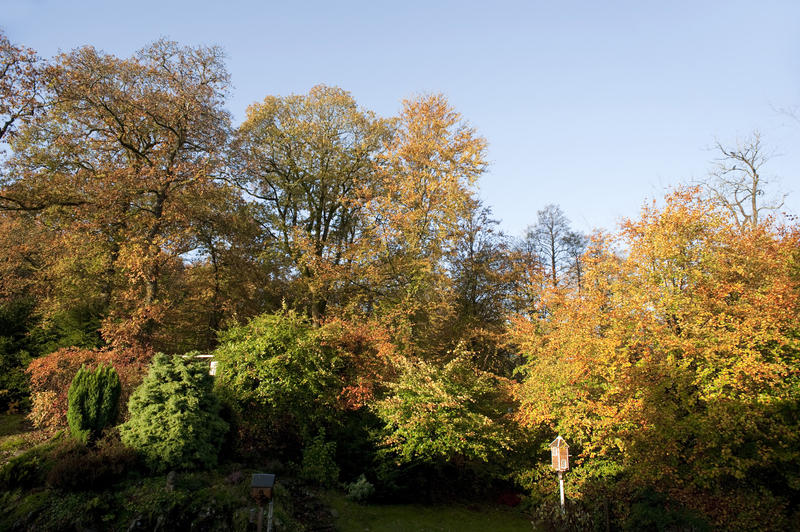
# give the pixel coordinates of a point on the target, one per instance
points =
(561, 487)
(260, 518)
(269, 517)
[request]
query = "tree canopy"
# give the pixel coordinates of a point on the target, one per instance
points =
(369, 318)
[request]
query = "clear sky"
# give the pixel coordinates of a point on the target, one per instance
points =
(596, 106)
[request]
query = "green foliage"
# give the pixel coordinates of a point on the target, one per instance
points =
(24, 335)
(198, 501)
(21, 471)
(319, 466)
(453, 412)
(93, 398)
(78, 326)
(15, 320)
(29, 468)
(360, 490)
(575, 518)
(278, 370)
(14, 383)
(174, 415)
(653, 511)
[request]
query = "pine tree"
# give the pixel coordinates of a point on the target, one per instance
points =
(93, 398)
(174, 415)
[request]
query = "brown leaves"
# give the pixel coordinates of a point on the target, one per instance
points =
(121, 162)
(20, 86)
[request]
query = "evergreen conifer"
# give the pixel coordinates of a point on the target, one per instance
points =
(93, 398)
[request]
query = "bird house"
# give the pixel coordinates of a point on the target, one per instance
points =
(559, 453)
(261, 486)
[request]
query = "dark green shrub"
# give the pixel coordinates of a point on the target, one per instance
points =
(16, 319)
(21, 471)
(93, 397)
(80, 468)
(319, 465)
(174, 415)
(29, 469)
(654, 511)
(576, 517)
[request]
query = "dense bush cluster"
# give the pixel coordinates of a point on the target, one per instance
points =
(319, 462)
(278, 364)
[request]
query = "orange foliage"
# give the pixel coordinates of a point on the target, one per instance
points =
(51, 376)
(678, 354)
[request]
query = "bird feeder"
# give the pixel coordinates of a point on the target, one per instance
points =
(559, 453)
(261, 486)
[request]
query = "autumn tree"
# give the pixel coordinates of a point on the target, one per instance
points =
(125, 152)
(20, 86)
(677, 362)
(309, 162)
(21, 96)
(428, 173)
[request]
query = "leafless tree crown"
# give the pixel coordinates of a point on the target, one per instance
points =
(737, 181)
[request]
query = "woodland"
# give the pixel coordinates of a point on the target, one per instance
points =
(373, 331)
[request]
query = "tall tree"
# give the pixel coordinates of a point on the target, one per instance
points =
(481, 269)
(20, 86)
(124, 153)
(428, 173)
(738, 182)
(483, 275)
(557, 246)
(309, 161)
(575, 243)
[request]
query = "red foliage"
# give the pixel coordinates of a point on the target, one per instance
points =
(51, 376)
(366, 351)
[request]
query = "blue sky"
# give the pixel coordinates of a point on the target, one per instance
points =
(595, 106)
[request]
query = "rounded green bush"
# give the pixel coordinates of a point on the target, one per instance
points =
(319, 465)
(174, 416)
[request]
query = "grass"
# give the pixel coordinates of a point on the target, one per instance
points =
(12, 424)
(13, 435)
(353, 517)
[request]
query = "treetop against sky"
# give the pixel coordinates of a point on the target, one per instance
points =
(594, 107)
